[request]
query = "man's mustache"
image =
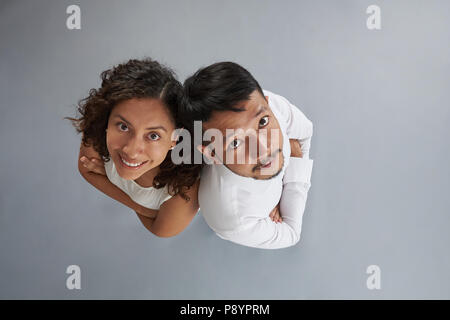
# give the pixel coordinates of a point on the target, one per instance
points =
(272, 156)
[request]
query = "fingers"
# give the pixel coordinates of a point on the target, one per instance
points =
(93, 165)
(278, 218)
(272, 214)
(296, 150)
(147, 215)
(275, 215)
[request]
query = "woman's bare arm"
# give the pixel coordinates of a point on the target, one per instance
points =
(174, 214)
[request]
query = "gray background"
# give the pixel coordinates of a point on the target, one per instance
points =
(379, 101)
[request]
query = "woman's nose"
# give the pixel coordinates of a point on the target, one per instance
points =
(133, 148)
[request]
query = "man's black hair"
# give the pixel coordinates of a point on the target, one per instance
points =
(218, 87)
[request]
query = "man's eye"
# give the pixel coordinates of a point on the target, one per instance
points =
(264, 121)
(235, 143)
(154, 136)
(122, 126)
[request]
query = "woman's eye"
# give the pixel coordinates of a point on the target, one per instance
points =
(154, 136)
(235, 143)
(264, 121)
(123, 127)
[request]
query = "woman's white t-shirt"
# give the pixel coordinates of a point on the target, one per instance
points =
(149, 197)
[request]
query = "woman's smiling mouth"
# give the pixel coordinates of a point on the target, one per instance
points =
(131, 165)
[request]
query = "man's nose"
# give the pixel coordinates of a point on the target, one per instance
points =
(133, 148)
(264, 140)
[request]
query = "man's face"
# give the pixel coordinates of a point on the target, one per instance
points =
(252, 145)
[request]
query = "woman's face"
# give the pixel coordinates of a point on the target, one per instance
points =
(139, 136)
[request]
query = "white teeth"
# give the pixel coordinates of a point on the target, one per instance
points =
(131, 164)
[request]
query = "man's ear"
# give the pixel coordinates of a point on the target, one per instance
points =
(267, 98)
(206, 151)
(201, 149)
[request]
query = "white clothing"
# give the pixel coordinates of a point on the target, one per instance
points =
(150, 197)
(237, 208)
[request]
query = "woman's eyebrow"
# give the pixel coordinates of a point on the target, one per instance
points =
(150, 128)
(119, 116)
(158, 127)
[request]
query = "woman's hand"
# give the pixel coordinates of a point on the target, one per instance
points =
(275, 214)
(146, 221)
(94, 165)
(146, 212)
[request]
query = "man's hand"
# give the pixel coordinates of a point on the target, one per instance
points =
(296, 149)
(275, 214)
(94, 165)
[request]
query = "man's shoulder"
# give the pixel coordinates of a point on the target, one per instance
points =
(275, 98)
(297, 122)
(218, 199)
(279, 104)
(214, 185)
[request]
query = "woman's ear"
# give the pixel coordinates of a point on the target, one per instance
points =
(175, 136)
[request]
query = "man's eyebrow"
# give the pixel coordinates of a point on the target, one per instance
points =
(150, 128)
(261, 109)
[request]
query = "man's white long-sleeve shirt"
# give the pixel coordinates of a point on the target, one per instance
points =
(237, 208)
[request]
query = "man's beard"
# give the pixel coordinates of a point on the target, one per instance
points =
(277, 173)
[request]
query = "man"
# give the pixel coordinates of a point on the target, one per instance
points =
(239, 200)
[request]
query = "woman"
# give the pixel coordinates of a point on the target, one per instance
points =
(127, 127)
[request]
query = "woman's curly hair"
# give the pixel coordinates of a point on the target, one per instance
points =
(144, 78)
